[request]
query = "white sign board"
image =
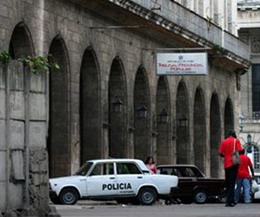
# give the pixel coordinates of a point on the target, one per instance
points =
(182, 64)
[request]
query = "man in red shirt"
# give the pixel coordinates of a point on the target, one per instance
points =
(225, 150)
(243, 177)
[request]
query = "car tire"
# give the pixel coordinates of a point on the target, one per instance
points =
(147, 196)
(68, 196)
(200, 196)
(222, 197)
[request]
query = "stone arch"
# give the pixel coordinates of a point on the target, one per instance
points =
(90, 147)
(182, 124)
(59, 118)
(163, 128)
(21, 42)
(199, 130)
(142, 143)
(117, 117)
(215, 135)
(228, 116)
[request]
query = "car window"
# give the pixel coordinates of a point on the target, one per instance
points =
(127, 168)
(84, 169)
(103, 169)
(197, 172)
(186, 172)
(176, 172)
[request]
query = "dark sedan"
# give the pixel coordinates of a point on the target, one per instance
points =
(193, 185)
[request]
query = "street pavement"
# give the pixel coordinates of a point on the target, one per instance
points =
(111, 209)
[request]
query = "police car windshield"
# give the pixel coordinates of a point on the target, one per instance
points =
(84, 169)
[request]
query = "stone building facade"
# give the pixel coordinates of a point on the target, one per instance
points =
(248, 25)
(52, 122)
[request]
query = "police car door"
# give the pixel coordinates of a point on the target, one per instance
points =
(129, 177)
(101, 180)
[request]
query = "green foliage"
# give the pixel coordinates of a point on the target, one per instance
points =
(39, 64)
(5, 56)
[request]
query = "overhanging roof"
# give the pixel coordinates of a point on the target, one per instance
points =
(128, 13)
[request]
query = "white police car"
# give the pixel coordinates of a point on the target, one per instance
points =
(127, 180)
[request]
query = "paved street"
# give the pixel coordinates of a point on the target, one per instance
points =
(113, 210)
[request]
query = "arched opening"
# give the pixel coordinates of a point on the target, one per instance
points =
(163, 124)
(215, 135)
(90, 147)
(59, 136)
(142, 143)
(20, 44)
(117, 110)
(182, 125)
(228, 117)
(199, 130)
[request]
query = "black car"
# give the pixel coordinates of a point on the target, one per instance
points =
(193, 185)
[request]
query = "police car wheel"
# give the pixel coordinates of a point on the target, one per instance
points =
(200, 196)
(68, 196)
(147, 196)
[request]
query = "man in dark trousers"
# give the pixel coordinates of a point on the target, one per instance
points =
(225, 150)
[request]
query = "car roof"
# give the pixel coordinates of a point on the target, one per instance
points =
(139, 162)
(177, 165)
(114, 159)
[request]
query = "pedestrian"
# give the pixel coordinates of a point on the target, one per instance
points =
(150, 163)
(243, 177)
(226, 149)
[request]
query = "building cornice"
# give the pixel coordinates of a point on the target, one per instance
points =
(202, 34)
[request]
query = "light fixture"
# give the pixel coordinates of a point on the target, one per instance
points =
(117, 104)
(183, 121)
(249, 138)
(142, 111)
(249, 143)
(163, 116)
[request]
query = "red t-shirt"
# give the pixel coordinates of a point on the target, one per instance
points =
(243, 170)
(227, 147)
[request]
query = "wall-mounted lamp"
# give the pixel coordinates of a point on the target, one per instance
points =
(163, 116)
(117, 104)
(183, 121)
(249, 143)
(142, 111)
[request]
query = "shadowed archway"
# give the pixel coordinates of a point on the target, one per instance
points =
(117, 117)
(199, 130)
(163, 126)
(90, 147)
(182, 125)
(21, 42)
(228, 117)
(215, 135)
(59, 119)
(142, 143)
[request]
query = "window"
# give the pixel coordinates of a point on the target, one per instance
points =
(186, 172)
(84, 169)
(256, 87)
(103, 169)
(127, 168)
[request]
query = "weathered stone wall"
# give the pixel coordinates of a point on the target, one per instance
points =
(24, 162)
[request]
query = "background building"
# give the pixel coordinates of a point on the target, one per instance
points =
(106, 100)
(248, 25)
